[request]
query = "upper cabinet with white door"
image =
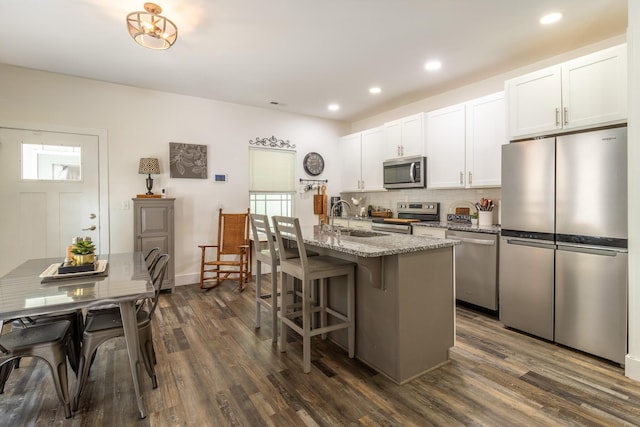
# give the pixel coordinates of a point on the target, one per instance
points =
(373, 144)
(445, 147)
(486, 133)
(404, 137)
(464, 143)
(350, 162)
(578, 94)
(362, 156)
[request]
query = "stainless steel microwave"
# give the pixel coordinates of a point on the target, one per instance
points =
(405, 172)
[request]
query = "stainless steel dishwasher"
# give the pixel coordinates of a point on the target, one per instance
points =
(476, 268)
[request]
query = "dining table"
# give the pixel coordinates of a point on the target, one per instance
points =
(35, 288)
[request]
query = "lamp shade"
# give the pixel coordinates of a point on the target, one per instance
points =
(149, 165)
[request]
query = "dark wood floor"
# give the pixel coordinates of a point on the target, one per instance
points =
(215, 369)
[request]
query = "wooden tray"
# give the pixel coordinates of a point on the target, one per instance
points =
(51, 273)
(381, 214)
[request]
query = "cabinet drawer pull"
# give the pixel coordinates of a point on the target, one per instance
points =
(557, 117)
(470, 178)
(566, 116)
(461, 178)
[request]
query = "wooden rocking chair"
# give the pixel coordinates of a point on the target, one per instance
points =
(231, 253)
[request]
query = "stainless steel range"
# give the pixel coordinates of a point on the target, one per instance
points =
(408, 213)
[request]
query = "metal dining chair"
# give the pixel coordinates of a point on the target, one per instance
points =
(76, 317)
(103, 326)
(150, 258)
(47, 341)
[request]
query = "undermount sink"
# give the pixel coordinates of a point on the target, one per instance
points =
(360, 233)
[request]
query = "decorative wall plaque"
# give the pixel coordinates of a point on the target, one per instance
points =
(187, 160)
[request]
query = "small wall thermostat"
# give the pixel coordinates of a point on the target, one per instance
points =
(220, 178)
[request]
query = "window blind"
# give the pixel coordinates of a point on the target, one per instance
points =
(272, 170)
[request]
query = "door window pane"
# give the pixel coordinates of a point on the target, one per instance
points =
(51, 162)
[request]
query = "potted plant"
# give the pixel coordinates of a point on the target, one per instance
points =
(474, 218)
(83, 251)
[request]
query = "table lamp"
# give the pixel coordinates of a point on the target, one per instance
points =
(148, 166)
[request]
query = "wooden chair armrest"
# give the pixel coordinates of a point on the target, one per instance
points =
(207, 246)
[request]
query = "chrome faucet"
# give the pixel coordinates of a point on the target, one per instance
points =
(333, 212)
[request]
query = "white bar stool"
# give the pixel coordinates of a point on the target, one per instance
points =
(261, 231)
(309, 269)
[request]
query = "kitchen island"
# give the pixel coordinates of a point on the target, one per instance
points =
(405, 303)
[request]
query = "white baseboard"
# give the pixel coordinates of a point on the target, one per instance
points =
(188, 279)
(632, 367)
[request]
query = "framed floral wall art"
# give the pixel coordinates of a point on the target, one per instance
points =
(187, 160)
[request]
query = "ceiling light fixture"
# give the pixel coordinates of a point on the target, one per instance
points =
(151, 30)
(333, 107)
(433, 65)
(551, 18)
(375, 90)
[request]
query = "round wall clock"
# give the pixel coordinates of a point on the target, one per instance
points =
(313, 164)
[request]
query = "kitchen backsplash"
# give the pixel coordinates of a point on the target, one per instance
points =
(389, 199)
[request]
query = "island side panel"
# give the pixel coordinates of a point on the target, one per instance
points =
(426, 302)
(404, 310)
(377, 314)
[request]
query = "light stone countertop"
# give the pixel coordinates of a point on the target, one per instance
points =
(376, 246)
(488, 229)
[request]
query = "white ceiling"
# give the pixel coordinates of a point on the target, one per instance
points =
(303, 54)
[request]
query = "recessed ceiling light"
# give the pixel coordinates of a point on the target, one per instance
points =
(551, 18)
(433, 65)
(375, 89)
(333, 107)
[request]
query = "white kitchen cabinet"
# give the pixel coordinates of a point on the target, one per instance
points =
(341, 222)
(485, 134)
(404, 137)
(351, 161)
(362, 156)
(431, 232)
(353, 223)
(372, 158)
(445, 147)
(578, 94)
(463, 143)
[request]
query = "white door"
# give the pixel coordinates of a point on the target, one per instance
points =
(594, 89)
(49, 185)
(486, 132)
(534, 103)
(351, 157)
(413, 135)
(372, 159)
(446, 147)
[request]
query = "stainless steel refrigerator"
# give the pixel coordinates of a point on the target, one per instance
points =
(563, 257)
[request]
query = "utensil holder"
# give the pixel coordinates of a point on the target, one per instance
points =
(485, 218)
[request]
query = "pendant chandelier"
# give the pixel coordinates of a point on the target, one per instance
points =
(151, 30)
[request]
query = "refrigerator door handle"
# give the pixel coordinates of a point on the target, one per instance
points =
(589, 250)
(532, 243)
